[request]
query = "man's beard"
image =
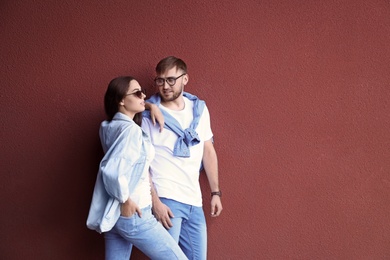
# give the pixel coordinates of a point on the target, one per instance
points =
(175, 95)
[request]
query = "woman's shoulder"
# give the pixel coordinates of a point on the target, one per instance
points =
(120, 127)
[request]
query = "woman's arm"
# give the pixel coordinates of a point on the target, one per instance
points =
(117, 164)
(155, 114)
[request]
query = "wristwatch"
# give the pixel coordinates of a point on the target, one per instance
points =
(219, 193)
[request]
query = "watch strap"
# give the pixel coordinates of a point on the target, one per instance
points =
(218, 193)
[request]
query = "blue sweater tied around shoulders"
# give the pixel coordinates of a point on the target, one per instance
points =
(187, 137)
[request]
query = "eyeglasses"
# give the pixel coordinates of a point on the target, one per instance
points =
(170, 80)
(138, 93)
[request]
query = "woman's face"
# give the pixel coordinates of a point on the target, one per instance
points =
(133, 102)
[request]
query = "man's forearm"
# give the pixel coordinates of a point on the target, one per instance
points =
(153, 191)
(210, 164)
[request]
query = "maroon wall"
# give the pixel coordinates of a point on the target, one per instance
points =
(299, 97)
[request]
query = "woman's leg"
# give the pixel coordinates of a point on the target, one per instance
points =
(159, 244)
(149, 236)
(116, 247)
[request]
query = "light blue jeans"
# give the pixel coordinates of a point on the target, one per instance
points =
(145, 233)
(189, 228)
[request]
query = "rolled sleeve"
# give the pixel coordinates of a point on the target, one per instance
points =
(116, 178)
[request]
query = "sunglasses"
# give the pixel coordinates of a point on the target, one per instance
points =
(170, 80)
(138, 93)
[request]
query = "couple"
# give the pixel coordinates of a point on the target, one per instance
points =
(155, 167)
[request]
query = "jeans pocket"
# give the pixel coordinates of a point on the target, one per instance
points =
(127, 226)
(128, 217)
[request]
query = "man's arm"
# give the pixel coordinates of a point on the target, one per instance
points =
(210, 164)
(155, 114)
(161, 211)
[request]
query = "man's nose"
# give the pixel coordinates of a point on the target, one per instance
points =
(166, 85)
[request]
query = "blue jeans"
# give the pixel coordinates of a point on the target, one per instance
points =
(145, 233)
(189, 228)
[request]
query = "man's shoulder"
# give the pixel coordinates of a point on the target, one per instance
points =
(188, 97)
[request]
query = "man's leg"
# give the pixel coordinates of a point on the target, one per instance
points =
(193, 236)
(180, 211)
(175, 230)
(189, 228)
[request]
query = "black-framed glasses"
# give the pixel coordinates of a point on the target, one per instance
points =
(138, 93)
(170, 80)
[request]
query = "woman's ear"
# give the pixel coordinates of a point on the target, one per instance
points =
(122, 103)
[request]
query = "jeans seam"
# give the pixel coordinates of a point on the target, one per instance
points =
(184, 227)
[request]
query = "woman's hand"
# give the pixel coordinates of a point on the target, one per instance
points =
(129, 208)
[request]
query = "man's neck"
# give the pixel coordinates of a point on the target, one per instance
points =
(178, 104)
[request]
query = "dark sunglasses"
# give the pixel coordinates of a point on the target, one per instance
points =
(138, 93)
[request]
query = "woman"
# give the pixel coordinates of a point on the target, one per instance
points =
(121, 202)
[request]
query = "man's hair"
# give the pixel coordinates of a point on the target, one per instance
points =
(169, 63)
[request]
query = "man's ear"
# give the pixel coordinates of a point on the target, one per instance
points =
(185, 79)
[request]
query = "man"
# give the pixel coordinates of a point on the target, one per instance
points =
(182, 149)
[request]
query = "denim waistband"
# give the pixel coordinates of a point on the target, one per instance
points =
(148, 208)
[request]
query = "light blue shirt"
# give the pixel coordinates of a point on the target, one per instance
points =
(126, 148)
(187, 137)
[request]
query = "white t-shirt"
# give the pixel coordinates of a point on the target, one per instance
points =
(177, 178)
(141, 195)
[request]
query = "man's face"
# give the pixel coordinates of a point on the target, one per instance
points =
(168, 90)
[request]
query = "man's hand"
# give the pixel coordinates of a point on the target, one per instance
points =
(156, 115)
(216, 206)
(129, 208)
(162, 213)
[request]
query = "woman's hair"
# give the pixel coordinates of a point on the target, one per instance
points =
(169, 63)
(116, 91)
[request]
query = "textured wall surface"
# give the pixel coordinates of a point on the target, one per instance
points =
(299, 95)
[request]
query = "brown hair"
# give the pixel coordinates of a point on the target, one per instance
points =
(169, 63)
(116, 91)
